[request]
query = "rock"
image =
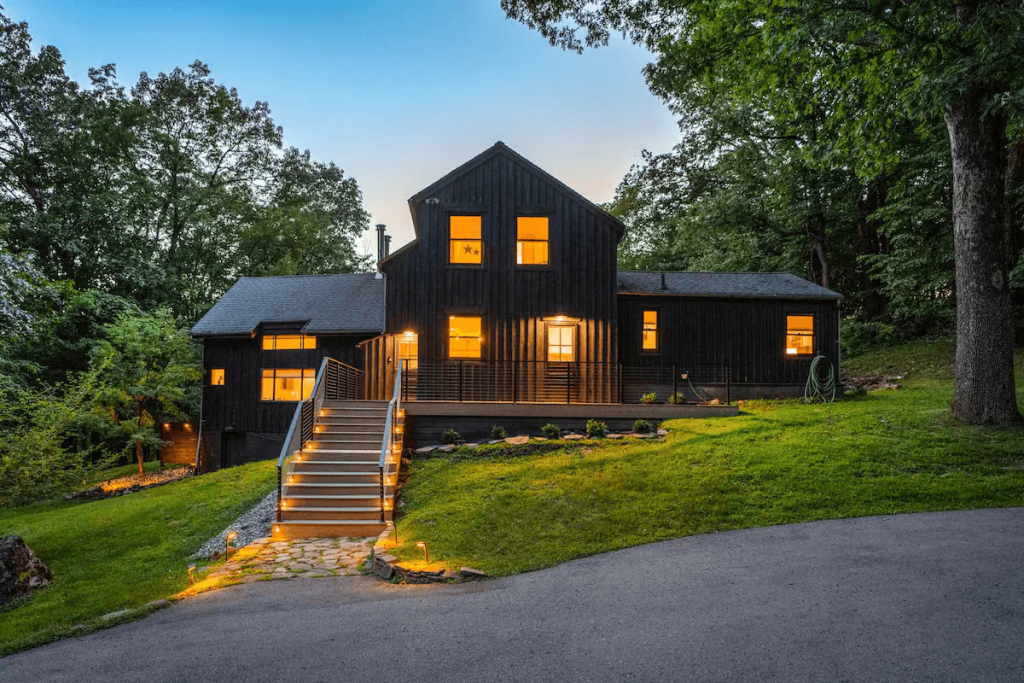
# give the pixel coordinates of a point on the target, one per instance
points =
(573, 437)
(517, 440)
(645, 436)
(616, 436)
(714, 402)
(470, 573)
(447, 448)
(20, 570)
(472, 446)
(494, 441)
(386, 571)
(662, 432)
(427, 449)
(450, 574)
(539, 438)
(388, 559)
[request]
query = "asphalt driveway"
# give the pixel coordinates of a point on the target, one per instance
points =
(930, 597)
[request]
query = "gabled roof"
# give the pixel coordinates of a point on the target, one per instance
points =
(500, 148)
(326, 304)
(749, 285)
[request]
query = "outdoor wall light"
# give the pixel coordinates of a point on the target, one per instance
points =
(426, 556)
(232, 535)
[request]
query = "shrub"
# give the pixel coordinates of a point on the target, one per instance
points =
(677, 398)
(498, 432)
(642, 427)
(450, 436)
(551, 431)
(595, 429)
(649, 398)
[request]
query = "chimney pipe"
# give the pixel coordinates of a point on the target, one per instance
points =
(387, 246)
(380, 242)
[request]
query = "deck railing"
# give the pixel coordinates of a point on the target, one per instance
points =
(334, 381)
(465, 381)
(390, 461)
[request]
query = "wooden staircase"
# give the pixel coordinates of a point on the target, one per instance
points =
(332, 488)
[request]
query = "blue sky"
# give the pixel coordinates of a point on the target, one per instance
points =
(397, 93)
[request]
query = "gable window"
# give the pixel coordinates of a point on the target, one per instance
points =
(409, 349)
(281, 342)
(561, 348)
(650, 332)
(217, 377)
(465, 245)
(464, 336)
(532, 240)
(799, 335)
(281, 384)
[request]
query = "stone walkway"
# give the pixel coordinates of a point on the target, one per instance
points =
(264, 560)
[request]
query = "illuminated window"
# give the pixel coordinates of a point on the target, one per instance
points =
(217, 377)
(280, 342)
(531, 240)
(799, 335)
(409, 349)
(560, 343)
(464, 336)
(464, 242)
(650, 332)
(287, 384)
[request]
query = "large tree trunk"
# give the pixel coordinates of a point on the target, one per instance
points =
(983, 382)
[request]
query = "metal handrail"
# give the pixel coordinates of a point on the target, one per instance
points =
(298, 432)
(389, 438)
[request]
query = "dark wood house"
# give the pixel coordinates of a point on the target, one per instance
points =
(508, 296)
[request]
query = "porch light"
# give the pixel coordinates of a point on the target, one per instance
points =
(560, 318)
(426, 556)
(409, 333)
(167, 425)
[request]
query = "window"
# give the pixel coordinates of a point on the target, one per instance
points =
(280, 342)
(561, 348)
(464, 336)
(799, 335)
(464, 242)
(532, 240)
(409, 349)
(650, 331)
(287, 385)
(217, 377)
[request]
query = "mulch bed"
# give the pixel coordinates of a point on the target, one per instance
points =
(136, 482)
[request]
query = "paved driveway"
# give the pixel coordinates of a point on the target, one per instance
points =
(932, 597)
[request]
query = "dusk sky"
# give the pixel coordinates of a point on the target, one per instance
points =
(396, 93)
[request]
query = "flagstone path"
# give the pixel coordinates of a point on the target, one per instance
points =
(313, 558)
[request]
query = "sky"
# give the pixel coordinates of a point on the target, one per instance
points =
(396, 93)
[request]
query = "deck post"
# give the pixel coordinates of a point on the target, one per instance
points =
(515, 381)
(460, 381)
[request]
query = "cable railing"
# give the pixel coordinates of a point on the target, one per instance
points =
(392, 429)
(334, 381)
(467, 381)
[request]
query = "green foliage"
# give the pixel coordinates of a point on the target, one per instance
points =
(498, 432)
(450, 436)
(776, 463)
(859, 335)
(642, 427)
(596, 429)
(649, 398)
(677, 397)
(121, 553)
(551, 431)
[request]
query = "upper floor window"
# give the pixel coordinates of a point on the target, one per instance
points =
(280, 342)
(217, 377)
(464, 336)
(409, 349)
(532, 240)
(280, 384)
(465, 246)
(799, 335)
(560, 344)
(650, 331)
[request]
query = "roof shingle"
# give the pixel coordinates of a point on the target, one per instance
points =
(756, 285)
(327, 304)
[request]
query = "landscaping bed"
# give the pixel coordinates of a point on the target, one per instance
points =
(132, 483)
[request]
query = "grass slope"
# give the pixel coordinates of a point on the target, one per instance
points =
(889, 452)
(120, 553)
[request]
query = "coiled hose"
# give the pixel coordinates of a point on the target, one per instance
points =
(825, 389)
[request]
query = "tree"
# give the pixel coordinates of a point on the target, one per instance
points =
(890, 63)
(150, 370)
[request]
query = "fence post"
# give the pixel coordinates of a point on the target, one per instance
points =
(460, 381)
(675, 379)
(728, 386)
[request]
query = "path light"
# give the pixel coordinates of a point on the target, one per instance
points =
(426, 557)
(232, 535)
(191, 576)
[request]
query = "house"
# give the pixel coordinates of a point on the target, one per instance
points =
(507, 308)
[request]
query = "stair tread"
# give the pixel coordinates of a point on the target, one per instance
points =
(326, 496)
(327, 521)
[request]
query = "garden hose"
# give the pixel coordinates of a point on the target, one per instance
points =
(823, 389)
(699, 397)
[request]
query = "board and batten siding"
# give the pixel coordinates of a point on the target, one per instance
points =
(747, 333)
(579, 281)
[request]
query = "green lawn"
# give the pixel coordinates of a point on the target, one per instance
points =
(123, 552)
(888, 452)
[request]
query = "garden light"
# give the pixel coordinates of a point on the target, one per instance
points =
(232, 535)
(426, 557)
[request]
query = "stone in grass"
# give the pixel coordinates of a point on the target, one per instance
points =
(470, 573)
(662, 432)
(386, 571)
(427, 449)
(20, 570)
(616, 436)
(539, 438)
(573, 437)
(517, 440)
(447, 448)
